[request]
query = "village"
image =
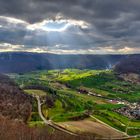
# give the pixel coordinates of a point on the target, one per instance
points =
(130, 110)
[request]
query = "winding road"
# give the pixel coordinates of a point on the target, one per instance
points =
(49, 122)
(57, 127)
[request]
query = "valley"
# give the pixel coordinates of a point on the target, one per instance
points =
(70, 70)
(84, 101)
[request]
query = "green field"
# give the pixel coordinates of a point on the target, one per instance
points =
(36, 92)
(118, 121)
(66, 103)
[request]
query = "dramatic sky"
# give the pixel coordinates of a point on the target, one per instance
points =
(70, 26)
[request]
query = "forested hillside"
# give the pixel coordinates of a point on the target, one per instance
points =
(14, 104)
(130, 64)
(19, 62)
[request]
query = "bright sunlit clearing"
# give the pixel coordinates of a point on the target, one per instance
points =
(58, 25)
(55, 27)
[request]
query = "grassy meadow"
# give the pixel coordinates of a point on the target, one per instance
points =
(62, 89)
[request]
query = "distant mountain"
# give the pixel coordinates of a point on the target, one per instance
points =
(14, 104)
(131, 64)
(19, 62)
(129, 69)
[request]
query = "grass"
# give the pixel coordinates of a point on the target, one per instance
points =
(117, 121)
(69, 103)
(74, 74)
(99, 81)
(107, 106)
(74, 101)
(36, 92)
(35, 120)
(105, 83)
(83, 96)
(133, 131)
(66, 116)
(58, 113)
(36, 124)
(56, 110)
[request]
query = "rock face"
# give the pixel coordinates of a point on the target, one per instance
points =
(14, 104)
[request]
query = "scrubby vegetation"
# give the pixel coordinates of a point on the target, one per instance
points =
(15, 131)
(14, 103)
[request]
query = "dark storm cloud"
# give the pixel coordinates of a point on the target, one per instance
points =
(114, 23)
(34, 10)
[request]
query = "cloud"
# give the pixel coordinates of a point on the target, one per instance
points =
(83, 26)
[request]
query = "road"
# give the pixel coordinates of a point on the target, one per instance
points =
(126, 136)
(49, 122)
(57, 127)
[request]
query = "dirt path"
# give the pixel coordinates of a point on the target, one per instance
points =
(123, 133)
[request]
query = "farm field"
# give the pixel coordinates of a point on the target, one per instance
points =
(72, 98)
(93, 127)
